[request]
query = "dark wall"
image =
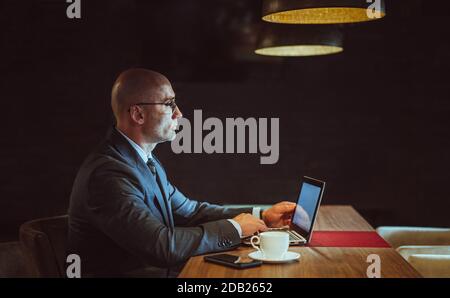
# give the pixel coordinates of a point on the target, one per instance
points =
(373, 121)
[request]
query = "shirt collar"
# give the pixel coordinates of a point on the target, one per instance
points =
(136, 147)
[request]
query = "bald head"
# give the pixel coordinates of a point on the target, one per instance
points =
(133, 86)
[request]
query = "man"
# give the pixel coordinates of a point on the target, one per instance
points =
(125, 217)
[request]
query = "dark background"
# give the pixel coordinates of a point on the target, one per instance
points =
(373, 121)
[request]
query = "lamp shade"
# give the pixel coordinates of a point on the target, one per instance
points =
(322, 11)
(300, 40)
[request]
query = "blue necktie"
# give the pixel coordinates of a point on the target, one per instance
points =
(151, 166)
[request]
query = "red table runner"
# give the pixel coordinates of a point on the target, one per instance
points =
(347, 239)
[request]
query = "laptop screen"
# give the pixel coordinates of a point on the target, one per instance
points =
(307, 205)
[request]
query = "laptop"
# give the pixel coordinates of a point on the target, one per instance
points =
(302, 223)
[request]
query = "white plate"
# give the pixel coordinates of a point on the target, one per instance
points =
(288, 257)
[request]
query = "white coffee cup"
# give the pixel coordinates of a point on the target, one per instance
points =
(272, 245)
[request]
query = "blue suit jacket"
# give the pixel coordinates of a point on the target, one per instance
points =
(120, 220)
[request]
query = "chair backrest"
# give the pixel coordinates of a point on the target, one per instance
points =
(44, 243)
(400, 236)
(12, 260)
(430, 265)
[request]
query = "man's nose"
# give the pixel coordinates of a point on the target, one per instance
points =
(177, 113)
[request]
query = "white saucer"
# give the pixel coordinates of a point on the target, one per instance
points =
(288, 257)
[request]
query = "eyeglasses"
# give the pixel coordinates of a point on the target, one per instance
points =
(172, 104)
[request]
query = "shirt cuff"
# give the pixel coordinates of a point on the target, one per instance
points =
(236, 226)
(256, 212)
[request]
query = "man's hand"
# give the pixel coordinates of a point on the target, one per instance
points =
(279, 214)
(250, 224)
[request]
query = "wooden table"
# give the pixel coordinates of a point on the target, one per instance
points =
(314, 261)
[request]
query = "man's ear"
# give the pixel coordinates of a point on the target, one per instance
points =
(136, 115)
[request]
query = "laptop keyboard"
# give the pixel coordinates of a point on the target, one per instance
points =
(292, 237)
(296, 238)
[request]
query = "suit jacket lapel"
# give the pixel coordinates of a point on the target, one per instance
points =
(160, 198)
(131, 156)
